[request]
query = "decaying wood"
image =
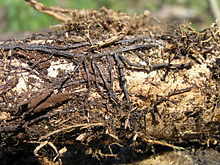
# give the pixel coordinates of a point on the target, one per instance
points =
(124, 82)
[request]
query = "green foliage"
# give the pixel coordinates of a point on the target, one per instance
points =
(202, 6)
(96, 4)
(152, 5)
(21, 17)
(83, 4)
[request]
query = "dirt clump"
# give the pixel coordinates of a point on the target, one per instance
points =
(107, 87)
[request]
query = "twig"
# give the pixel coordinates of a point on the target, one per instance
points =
(113, 39)
(111, 63)
(56, 50)
(42, 144)
(126, 49)
(56, 12)
(173, 93)
(69, 128)
(42, 48)
(162, 143)
(171, 66)
(88, 80)
(111, 93)
(122, 79)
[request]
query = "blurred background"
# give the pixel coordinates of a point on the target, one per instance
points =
(16, 17)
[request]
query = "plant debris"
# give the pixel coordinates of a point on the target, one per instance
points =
(105, 83)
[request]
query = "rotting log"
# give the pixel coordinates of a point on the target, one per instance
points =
(107, 77)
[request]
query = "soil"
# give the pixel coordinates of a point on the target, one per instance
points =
(107, 88)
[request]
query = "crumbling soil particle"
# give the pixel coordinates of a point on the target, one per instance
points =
(200, 157)
(108, 87)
